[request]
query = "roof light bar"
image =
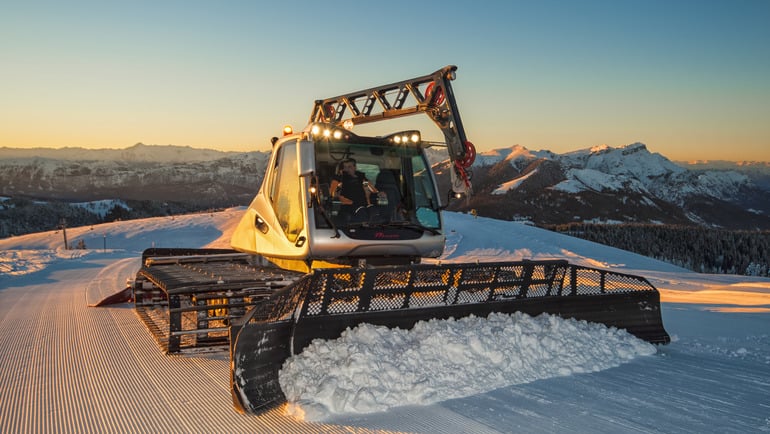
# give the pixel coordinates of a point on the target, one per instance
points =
(327, 131)
(405, 137)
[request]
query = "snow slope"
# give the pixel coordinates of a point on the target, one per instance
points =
(68, 368)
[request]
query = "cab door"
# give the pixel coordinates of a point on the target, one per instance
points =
(275, 225)
(286, 194)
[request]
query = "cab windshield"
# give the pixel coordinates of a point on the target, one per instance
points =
(374, 184)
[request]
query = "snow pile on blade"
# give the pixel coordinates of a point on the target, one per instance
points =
(373, 368)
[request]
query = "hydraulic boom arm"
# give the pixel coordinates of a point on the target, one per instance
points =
(430, 94)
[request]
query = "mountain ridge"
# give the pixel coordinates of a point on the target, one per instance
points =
(135, 153)
(609, 184)
(596, 184)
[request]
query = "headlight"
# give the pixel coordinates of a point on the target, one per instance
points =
(405, 137)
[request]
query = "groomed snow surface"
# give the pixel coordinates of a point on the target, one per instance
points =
(65, 367)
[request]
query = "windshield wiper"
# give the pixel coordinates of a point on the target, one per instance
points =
(395, 225)
(411, 225)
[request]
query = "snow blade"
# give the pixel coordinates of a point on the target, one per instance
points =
(328, 301)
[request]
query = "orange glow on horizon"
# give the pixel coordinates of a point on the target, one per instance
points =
(734, 301)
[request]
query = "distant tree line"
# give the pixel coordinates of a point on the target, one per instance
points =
(19, 216)
(705, 250)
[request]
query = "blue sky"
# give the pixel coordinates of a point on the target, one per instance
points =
(691, 79)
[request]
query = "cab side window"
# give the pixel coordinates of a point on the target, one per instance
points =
(426, 204)
(285, 192)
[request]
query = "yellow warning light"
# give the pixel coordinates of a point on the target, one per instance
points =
(287, 130)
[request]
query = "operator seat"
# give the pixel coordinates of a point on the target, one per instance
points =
(386, 183)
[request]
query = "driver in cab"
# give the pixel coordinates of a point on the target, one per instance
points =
(353, 190)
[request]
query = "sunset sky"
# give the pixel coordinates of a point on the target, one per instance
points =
(691, 79)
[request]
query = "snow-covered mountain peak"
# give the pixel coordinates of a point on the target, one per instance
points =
(495, 156)
(633, 160)
(599, 149)
(599, 168)
(513, 155)
(625, 183)
(169, 153)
